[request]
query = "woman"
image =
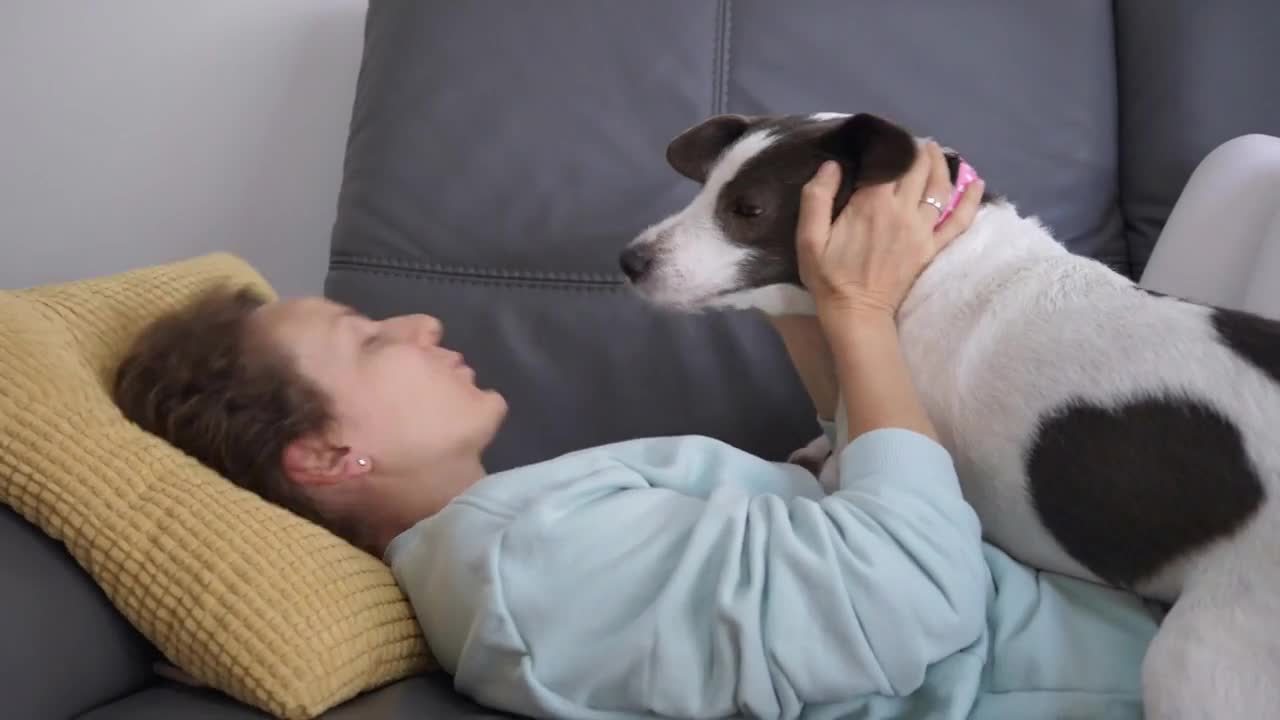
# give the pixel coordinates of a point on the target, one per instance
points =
(675, 576)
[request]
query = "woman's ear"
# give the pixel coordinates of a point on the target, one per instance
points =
(313, 460)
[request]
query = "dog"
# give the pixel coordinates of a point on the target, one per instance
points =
(1099, 430)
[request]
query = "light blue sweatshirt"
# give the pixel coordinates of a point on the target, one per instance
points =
(682, 577)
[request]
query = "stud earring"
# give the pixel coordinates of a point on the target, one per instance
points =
(362, 462)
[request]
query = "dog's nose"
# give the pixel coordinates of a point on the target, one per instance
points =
(635, 261)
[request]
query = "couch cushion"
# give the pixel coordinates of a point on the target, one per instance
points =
(1026, 91)
(240, 593)
(1192, 75)
(65, 649)
(495, 169)
(423, 697)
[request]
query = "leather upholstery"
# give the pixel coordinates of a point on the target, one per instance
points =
(1192, 75)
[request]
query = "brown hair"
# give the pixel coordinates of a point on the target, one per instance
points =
(198, 378)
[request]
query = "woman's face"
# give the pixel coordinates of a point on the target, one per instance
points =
(399, 397)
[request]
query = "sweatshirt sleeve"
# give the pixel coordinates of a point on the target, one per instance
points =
(622, 595)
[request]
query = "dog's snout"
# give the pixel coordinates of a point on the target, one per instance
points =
(636, 261)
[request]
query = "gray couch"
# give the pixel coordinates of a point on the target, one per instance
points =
(500, 154)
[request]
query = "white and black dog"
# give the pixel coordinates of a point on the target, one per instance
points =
(1100, 430)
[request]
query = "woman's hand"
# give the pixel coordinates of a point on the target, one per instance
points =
(868, 258)
(861, 267)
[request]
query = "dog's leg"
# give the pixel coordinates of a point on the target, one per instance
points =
(1216, 655)
(813, 456)
(829, 478)
(816, 457)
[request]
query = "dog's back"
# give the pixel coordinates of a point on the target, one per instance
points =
(1100, 430)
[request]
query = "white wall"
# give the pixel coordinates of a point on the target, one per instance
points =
(135, 132)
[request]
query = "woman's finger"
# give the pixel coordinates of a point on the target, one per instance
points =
(816, 198)
(938, 187)
(865, 201)
(911, 185)
(961, 217)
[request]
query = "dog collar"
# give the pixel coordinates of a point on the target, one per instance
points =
(965, 175)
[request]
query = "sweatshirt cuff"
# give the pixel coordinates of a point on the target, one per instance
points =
(897, 456)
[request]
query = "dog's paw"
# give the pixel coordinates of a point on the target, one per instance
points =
(813, 456)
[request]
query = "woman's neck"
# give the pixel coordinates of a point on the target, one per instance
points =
(411, 499)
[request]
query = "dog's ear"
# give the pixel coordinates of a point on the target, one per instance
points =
(870, 149)
(693, 151)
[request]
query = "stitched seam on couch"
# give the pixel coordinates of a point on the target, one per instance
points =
(489, 277)
(483, 271)
(493, 276)
(720, 63)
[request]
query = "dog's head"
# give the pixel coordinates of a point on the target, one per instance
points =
(734, 244)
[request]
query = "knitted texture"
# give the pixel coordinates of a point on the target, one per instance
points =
(243, 595)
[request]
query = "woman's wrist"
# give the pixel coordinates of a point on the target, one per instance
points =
(854, 321)
(875, 382)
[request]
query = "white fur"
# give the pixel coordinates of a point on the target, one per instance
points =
(778, 299)
(814, 454)
(1005, 325)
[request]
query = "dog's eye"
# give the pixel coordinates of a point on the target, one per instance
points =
(746, 209)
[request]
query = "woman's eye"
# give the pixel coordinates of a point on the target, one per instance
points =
(746, 209)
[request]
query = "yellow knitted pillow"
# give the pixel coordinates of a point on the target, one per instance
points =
(241, 594)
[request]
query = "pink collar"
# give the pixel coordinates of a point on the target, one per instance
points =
(964, 175)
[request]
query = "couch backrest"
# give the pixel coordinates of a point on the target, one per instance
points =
(501, 154)
(1192, 74)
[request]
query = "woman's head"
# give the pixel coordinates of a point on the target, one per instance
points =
(363, 426)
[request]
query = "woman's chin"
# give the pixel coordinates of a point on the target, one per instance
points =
(494, 403)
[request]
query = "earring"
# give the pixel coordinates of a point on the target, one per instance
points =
(362, 462)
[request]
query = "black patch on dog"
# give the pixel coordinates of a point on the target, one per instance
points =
(694, 151)
(953, 165)
(1255, 339)
(1127, 490)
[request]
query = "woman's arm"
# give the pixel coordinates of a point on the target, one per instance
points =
(811, 355)
(876, 386)
(863, 359)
